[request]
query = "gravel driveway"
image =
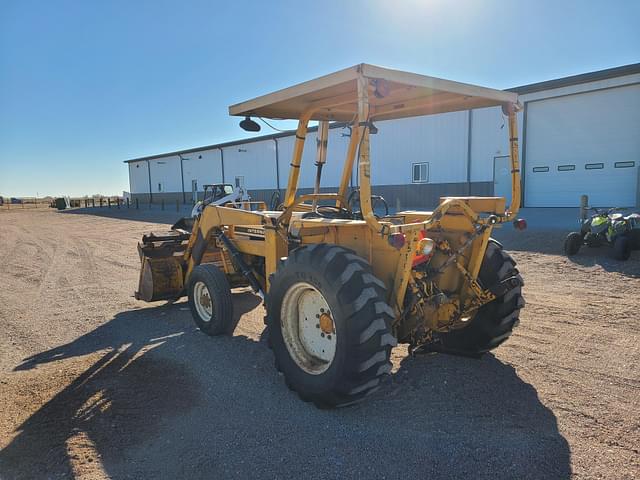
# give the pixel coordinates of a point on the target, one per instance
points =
(95, 384)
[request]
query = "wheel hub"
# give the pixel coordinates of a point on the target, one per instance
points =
(205, 301)
(308, 328)
(202, 301)
(326, 323)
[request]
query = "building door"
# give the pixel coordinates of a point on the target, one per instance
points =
(502, 177)
(583, 144)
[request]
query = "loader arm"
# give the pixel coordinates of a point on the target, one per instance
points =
(216, 217)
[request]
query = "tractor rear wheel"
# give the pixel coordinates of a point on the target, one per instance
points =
(329, 325)
(495, 321)
(210, 299)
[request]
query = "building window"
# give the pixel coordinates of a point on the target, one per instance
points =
(420, 172)
(566, 168)
(624, 164)
(594, 166)
(240, 181)
(540, 169)
(159, 187)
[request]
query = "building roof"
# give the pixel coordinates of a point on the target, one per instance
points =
(243, 141)
(521, 90)
(577, 79)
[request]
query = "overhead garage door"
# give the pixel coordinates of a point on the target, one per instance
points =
(587, 143)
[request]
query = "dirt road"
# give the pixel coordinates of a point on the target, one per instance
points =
(94, 384)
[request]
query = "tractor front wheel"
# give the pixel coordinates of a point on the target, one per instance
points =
(329, 325)
(210, 300)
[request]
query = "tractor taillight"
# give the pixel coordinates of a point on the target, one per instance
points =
(397, 240)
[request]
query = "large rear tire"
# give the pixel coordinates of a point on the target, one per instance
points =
(210, 300)
(329, 325)
(495, 321)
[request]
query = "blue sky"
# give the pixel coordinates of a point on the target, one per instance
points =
(87, 84)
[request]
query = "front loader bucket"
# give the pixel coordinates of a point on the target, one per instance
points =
(161, 272)
(160, 279)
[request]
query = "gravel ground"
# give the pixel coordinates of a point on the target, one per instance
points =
(95, 384)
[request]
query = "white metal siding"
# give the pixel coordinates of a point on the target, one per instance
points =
(489, 139)
(332, 170)
(581, 129)
(165, 172)
(440, 140)
(255, 161)
(139, 177)
(205, 167)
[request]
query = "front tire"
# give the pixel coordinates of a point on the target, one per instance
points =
(622, 248)
(210, 300)
(329, 325)
(572, 244)
(494, 322)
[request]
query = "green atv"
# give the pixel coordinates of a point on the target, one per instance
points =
(606, 227)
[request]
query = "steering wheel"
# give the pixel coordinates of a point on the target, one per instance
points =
(330, 211)
(274, 203)
(354, 197)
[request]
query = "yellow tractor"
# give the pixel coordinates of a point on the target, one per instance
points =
(340, 287)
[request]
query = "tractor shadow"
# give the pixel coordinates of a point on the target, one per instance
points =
(154, 397)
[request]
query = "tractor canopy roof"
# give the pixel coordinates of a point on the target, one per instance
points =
(392, 94)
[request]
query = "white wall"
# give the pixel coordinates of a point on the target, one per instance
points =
(255, 161)
(165, 174)
(205, 167)
(139, 177)
(490, 139)
(440, 140)
(331, 172)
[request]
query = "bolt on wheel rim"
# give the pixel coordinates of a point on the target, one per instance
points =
(308, 328)
(202, 301)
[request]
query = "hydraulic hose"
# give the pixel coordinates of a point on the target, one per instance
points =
(240, 264)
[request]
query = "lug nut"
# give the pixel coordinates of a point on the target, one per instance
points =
(322, 334)
(328, 337)
(317, 325)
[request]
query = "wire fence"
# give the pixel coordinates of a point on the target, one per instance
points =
(48, 202)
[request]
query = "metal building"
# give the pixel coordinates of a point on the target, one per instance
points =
(579, 135)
